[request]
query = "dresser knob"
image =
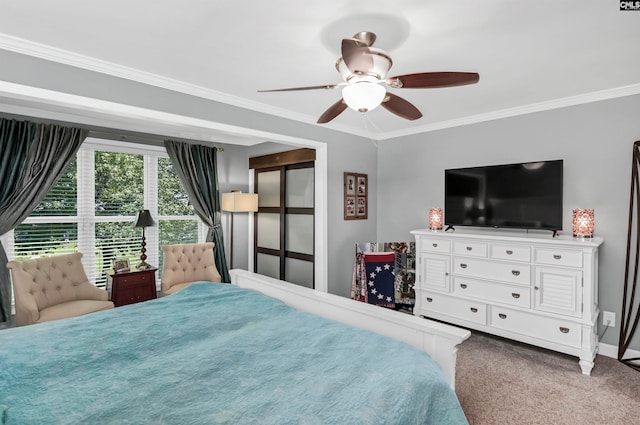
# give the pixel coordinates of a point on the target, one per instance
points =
(564, 330)
(515, 295)
(502, 316)
(469, 248)
(463, 285)
(557, 256)
(515, 272)
(429, 299)
(474, 310)
(509, 252)
(435, 245)
(463, 266)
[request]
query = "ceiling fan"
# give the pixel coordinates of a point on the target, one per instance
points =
(364, 68)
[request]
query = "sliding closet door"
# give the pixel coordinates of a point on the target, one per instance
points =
(268, 224)
(299, 224)
(284, 223)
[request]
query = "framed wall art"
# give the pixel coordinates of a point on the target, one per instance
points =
(356, 192)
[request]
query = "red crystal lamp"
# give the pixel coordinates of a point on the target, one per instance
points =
(435, 219)
(583, 223)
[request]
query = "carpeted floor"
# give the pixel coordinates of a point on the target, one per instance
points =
(499, 381)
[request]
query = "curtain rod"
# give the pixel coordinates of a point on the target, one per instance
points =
(131, 138)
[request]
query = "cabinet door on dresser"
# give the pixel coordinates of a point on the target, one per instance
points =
(558, 291)
(433, 272)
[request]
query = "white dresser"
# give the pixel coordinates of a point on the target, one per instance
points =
(531, 288)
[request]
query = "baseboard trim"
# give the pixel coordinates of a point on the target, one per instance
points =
(609, 350)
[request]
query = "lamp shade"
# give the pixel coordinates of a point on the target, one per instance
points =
(363, 96)
(583, 220)
(435, 219)
(239, 202)
(144, 219)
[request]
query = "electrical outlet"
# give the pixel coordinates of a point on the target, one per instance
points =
(610, 317)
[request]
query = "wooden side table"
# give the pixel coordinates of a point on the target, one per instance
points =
(133, 286)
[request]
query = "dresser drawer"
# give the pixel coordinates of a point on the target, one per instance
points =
(435, 245)
(558, 257)
(454, 307)
(549, 329)
(518, 273)
(510, 252)
(470, 248)
(493, 292)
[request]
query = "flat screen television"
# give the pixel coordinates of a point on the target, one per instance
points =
(525, 196)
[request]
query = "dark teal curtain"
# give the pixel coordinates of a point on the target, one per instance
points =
(32, 158)
(196, 166)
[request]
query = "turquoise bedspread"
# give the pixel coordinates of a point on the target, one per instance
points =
(215, 354)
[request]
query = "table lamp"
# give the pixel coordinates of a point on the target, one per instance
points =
(144, 220)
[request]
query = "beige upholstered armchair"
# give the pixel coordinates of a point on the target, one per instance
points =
(53, 288)
(187, 263)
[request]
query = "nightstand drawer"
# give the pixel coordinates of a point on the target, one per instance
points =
(136, 279)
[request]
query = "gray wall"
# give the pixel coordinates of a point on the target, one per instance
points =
(595, 141)
(233, 166)
(358, 157)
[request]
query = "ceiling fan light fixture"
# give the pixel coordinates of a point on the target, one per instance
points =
(363, 96)
(381, 63)
(364, 69)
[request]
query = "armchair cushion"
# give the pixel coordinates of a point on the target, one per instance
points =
(52, 288)
(187, 263)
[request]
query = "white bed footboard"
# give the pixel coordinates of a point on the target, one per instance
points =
(438, 340)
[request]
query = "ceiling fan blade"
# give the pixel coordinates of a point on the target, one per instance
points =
(325, 87)
(356, 56)
(333, 111)
(425, 80)
(400, 107)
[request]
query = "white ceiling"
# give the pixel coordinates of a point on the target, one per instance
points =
(531, 55)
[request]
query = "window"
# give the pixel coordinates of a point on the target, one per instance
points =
(93, 207)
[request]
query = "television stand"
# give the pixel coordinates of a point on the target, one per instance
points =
(450, 227)
(523, 287)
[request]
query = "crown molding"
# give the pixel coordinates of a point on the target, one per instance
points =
(42, 51)
(49, 53)
(520, 110)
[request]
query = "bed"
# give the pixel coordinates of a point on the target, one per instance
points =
(229, 354)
